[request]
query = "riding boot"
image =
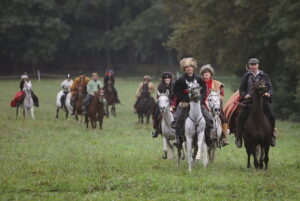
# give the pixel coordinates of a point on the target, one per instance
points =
(225, 134)
(154, 133)
(178, 143)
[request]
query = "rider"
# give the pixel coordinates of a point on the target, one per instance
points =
(166, 86)
(24, 78)
(151, 88)
(92, 87)
(66, 86)
(181, 99)
(207, 72)
(110, 76)
(81, 80)
(245, 91)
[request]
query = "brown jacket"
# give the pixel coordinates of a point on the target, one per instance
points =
(78, 82)
(151, 88)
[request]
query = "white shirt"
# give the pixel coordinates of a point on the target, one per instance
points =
(66, 84)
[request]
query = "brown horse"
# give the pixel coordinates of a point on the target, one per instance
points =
(145, 104)
(78, 105)
(257, 128)
(95, 111)
(111, 98)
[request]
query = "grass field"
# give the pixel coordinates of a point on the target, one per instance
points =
(51, 159)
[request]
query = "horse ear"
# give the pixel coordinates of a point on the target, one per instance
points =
(167, 92)
(195, 81)
(158, 93)
(187, 82)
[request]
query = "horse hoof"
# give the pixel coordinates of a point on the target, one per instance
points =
(164, 156)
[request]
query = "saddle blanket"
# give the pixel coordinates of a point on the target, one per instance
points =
(18, 97)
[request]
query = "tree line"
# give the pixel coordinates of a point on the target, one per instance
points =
(125, 34)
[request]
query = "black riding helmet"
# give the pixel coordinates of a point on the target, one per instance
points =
(81, 73)
(166, 75)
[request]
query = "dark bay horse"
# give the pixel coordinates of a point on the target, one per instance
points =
(95, 110)
(111, 98)
(78, 105)
(257, 128)
(145, 104)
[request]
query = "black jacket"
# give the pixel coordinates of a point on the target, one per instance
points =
(246, 83)
(180, 87)
(162, 88)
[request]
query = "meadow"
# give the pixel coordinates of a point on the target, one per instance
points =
(50, 159)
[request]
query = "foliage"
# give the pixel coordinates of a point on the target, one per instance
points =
(228, 33)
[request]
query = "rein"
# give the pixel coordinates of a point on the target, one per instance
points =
(195, 122)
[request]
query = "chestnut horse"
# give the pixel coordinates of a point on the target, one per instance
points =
(257, 128)
(95, 110)
(111, 98)
(78, 106)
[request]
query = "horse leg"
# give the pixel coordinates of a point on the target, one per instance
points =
(248, 154)
(87, 121)
(17, 112)
(212, 152)
(148, 117)
(67, 114)
(260, 151)
(165, 150)
(171, 148)
(113, 110)
(32, 113)
(266, 159)
(100, 123)
(57, 110)
(107, 110)
(183, 151)
(203, 146)
(189, 152)
(255, 157)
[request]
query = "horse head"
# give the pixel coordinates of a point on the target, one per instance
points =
(194, 90)
(163, 102)
(27, 86)
(259, 87)
(214, 102)
(100, 94)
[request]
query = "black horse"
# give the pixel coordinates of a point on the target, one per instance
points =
(257, 132)
(145, 104)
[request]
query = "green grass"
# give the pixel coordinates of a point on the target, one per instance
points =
(51, 159)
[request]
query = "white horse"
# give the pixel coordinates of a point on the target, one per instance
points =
(195, 126)
(28, 102)
(67, 107)
(214, 104)
(168, 133)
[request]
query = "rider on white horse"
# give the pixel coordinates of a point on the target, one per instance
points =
(207, 72)
(66, 86)
(165, 87)
(181, 99)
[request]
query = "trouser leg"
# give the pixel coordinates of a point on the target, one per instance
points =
(176, 125)
(85, 103)
(35, 99)
(63, 100)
